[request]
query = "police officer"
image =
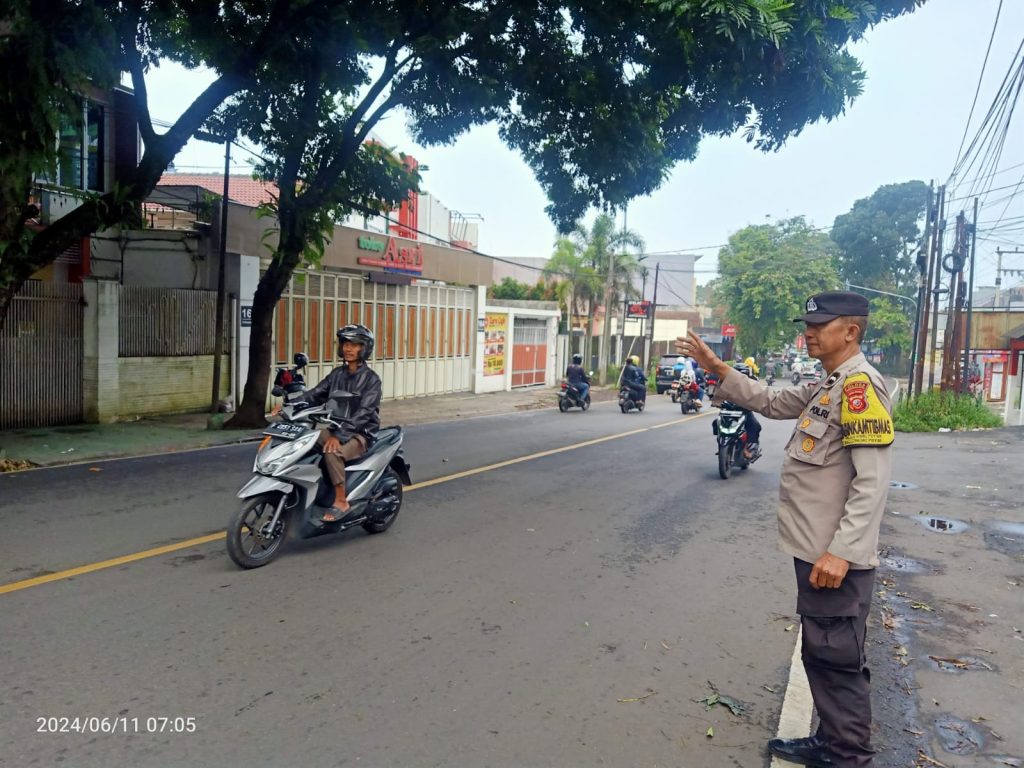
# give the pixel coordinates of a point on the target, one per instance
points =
(835, 479)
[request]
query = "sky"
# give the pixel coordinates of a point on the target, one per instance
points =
(923, 71)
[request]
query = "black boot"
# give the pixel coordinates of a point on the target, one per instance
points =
(810, 750)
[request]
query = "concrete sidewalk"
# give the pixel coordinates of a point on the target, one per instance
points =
(53, 446)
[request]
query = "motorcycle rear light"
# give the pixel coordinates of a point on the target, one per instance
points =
(564, 385)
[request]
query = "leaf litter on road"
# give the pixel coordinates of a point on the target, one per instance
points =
(632, 699)
(715, 697)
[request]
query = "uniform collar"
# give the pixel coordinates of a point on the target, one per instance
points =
(843, 369)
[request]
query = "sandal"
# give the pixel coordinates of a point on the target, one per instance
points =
(333, 514)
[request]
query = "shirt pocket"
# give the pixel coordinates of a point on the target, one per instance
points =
(810, 441)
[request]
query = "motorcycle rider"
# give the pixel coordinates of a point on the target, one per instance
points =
(752, 365)
(751, 424)
(358, 429)
(634, 379)
(682, 364)
(577, 377)
(697, 373)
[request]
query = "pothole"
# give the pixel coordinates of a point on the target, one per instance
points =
(958, 736)
(902, 564)
(899, 484)
(943, 524)
(1005, 537)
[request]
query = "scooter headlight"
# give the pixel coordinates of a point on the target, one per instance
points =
(275, 457)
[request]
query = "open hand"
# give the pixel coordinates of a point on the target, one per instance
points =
(332, 445)
(693, 346)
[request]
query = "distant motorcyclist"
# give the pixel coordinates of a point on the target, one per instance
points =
(577, 377)
(701, 379)
(751, 424)
(634, 379)
(682, 364)
(752, 365)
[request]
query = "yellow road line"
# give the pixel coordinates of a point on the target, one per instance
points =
(15, 586)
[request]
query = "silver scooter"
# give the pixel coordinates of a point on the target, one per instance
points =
(291, 492)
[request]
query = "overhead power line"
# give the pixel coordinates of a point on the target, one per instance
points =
(977, 89)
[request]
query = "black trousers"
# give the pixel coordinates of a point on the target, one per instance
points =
(834, 623)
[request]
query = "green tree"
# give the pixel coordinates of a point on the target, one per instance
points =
(601, 99)
(604, 250)
(766, 274)
(509, 289)
(877, 237)
(889, 328)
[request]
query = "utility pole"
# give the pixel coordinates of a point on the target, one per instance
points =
(1000, 270)
(919, 307)
(654, 311)
(951, 338)
(622, 328)
(925, 350)
(218, 342)
(934, 285)
(970, 303)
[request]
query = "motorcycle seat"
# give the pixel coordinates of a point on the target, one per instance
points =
(386, 436)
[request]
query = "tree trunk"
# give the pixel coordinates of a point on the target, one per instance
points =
(251, 413)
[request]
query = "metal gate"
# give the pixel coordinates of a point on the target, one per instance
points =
(425, 333)
(529, 352)
(41, 357)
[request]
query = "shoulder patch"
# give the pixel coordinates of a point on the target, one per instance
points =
(864, 419)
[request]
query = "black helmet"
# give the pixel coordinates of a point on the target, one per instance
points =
(577, 358)
(358, 334)
(301, 360)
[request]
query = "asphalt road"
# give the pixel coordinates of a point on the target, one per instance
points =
(565, 610)
(563, 605)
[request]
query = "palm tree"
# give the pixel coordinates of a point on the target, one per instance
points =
(606, 251)
(574, 276)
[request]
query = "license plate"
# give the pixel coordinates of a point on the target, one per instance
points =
(285, 431)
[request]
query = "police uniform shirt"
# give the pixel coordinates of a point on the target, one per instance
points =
(835, 475)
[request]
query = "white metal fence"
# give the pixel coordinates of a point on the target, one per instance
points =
(41, 357)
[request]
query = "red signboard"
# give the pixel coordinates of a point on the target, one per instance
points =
(638, 309)
(728, 329)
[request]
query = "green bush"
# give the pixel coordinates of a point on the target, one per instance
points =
(614, 371)
(931, 411)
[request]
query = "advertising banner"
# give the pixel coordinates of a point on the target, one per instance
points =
(638, 309)
(494, 344)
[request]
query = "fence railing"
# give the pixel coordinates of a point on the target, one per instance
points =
(167, 322)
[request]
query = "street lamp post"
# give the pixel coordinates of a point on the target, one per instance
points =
(218, 342)
(913, 351)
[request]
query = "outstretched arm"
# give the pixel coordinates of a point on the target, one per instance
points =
(774, 403)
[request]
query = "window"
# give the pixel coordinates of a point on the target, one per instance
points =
(80, 149)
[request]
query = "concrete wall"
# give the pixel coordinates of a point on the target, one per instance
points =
(116, 388)
(153, 385)
(511, 310)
